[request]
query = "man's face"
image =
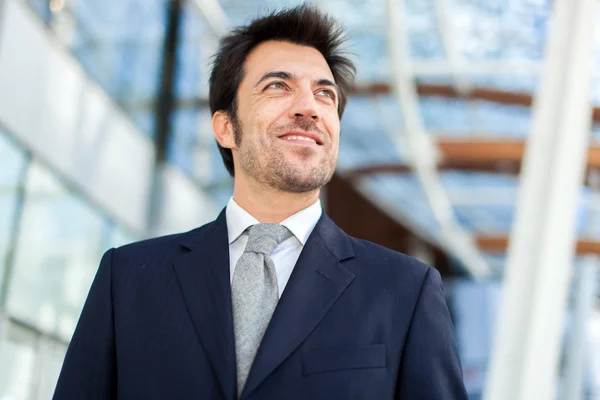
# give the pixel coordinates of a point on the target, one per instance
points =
(287, 127)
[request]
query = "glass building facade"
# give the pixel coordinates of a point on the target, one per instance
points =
(51, 238)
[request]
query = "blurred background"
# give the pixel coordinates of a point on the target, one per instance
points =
(470, 141)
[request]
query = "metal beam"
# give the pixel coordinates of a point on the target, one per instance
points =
(500, 244)
(215, 16)
(448, 91)
(423, 161)
(494, 156)
(453, 55)
(166, 96)
(427, 68)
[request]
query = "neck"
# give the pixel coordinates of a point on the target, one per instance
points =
(269, 205)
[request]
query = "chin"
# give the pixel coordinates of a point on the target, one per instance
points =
(300, 180)
(304, 163)
(302, 153)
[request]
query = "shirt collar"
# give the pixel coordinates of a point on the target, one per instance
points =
(300, 224)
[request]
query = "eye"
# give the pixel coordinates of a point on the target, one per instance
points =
(275, 85)
(326, 93)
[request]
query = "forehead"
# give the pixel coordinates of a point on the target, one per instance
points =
(302, 61)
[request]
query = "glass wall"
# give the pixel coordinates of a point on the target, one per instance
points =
(57, 253)
(29, 363)
(51, 241)
(59, 241)
(12, 165)
(51, 235)
(193, 148)
(121, 46)
(118, 43)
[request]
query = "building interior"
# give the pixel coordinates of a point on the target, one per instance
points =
(471, 141)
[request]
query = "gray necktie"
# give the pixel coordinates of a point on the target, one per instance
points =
(254, 294)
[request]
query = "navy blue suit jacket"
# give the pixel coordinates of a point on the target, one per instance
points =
(356, 321)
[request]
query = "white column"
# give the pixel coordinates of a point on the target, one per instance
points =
(585, 295)
(526, 351)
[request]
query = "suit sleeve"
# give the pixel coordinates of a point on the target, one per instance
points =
(430, 368)
(89, 368)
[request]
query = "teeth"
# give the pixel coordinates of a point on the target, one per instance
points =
(307, 139)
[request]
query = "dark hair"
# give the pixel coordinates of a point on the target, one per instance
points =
(302, 25)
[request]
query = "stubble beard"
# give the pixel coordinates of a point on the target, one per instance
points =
(275, 171)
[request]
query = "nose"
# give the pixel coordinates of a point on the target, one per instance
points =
(305, 106)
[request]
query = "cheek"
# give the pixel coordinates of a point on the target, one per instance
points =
(333, 127)
(269, 111)
(254, 126)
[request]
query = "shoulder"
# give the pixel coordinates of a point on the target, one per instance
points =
(159, 248)
(371, 260)
(391, 277)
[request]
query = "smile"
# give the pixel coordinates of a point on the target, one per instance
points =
(302, 138)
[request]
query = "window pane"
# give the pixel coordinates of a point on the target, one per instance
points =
(119, 44)
(50, 357)
(17, 363)
(57, 255)
(12, 162)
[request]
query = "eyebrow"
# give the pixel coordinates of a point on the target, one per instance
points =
(291, 77)
(327, 82)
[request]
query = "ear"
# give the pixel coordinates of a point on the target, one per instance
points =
(223, 129)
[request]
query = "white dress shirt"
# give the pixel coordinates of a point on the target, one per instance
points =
(286, 253)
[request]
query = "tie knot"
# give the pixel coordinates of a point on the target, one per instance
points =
(263, 238)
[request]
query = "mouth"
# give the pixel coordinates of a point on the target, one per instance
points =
(303, 138)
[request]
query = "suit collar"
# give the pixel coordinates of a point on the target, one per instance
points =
(190, 240)
(203, 274)
(334, 239)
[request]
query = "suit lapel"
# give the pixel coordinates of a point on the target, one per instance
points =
(316, 283)
(203, 275)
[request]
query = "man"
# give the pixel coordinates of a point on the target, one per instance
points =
(272, 300)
